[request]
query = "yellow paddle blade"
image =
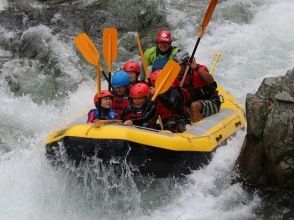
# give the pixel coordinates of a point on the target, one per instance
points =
(144, 61)
(109, 46)
(87, 48)
(207, 16)
(166, 78)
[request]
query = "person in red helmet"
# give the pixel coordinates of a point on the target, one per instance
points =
(158, 56)
(171, 106)
(103, 110)
(133, 69)
(141, 111)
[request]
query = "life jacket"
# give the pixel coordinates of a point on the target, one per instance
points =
(101, 113)
(144, 116)
(187, 96)
(165, 112)
(157, 60)
(119, 103)
(132, 113)
(170, 105)
(198, 87)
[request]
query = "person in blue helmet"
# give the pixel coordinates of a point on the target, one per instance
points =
(120, 82)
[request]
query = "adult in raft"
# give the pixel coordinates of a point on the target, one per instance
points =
(202, 87)
(158, 56)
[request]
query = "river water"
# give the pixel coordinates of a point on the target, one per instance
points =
(256, 40)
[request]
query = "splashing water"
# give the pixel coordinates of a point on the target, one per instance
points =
(254, 43)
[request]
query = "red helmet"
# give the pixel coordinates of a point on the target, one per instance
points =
(139, 90)
(163, 35)
(132, 66)
(98, 96)
(153, 76)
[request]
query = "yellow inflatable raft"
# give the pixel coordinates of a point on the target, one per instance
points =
(155, 152)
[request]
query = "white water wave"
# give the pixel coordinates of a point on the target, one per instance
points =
(3, 4)
(210, 193)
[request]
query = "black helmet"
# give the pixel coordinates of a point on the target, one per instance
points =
(182, 57)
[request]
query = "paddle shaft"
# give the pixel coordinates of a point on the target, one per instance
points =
(109, 46)
(98, 78)
(190, 61)
(144, 62)
(108, 80)
(205, 21)
(217, 57)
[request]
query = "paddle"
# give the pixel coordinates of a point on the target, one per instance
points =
(166, 78)
(164, 81)
(144, 62)
(204, 24)
(217, 57)
(90, 53)
(109, 48)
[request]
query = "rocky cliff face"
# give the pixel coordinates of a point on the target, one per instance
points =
(267, 155)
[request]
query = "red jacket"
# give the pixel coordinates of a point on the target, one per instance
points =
(170, 105)
(143, 116)
(198, 88)
(119, 104)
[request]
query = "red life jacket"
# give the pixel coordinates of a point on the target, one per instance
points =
(119, 104)
(193, 78)
(164, 112)
(187, 96)
(143, 116)
(198, 88)
(170, 105)
(132, 113)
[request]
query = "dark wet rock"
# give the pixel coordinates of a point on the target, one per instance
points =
(267, 155)
(71, 17)
(31, 29)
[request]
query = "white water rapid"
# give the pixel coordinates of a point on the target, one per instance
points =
(256, 40)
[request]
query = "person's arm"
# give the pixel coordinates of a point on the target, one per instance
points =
(148, 55)
(204, 73)
(91, 116)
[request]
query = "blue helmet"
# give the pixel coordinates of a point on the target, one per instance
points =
(120, 78)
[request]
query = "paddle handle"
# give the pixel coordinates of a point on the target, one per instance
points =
(184, 76)
(190, 61)
(144, 61)
(98, 78)
(194, 50)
